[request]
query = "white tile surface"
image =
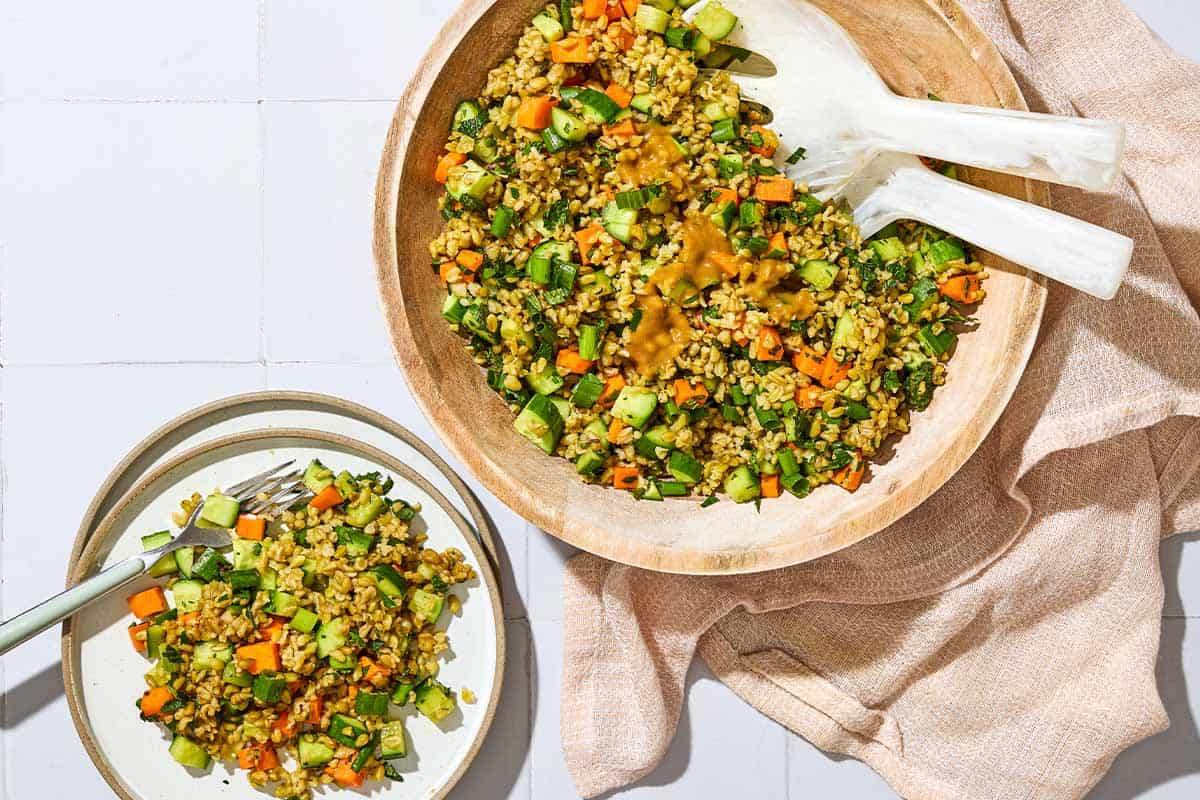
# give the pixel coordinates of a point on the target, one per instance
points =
(135, 232)
(130, 232)
(361, 49)
(319, 165)
(129, 51)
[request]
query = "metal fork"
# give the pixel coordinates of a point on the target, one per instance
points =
(273, 488)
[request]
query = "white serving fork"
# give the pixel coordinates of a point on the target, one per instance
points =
(274, 488)
(825, 97)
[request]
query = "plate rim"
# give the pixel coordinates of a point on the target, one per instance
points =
(83, 566)
(595, 539)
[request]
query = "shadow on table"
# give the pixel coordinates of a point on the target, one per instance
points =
(31, 695)
(1174, 753)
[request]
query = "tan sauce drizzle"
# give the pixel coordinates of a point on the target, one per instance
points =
(782, 305)
(654, 160)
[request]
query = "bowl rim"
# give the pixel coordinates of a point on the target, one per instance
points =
(85, 564)
(597, 540)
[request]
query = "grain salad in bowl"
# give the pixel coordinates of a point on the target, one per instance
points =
(291, 652)
(654, 299)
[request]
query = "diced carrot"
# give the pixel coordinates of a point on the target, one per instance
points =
(726, 196)
(808, 396)
(147, 603)
(614, 10)
(344, 774)
(470, 260)
(448, 272)
(284, 724)
(621, 36)
(270, 632)
(770, 141)
(833, 372)
(263, 657)
(315, 709)
(294, 686)
(251, 526)
(770, 344)
(248, 757)
(850, 476)
(769, 484)
(631, 6)
(572, 50)
(571, 362)
(626, 477)
(442, 173)
(594, 9)
(963, 288)
(328, 498)
(728, 262)
(374, 674)
(137, 635)
(352, 692)
(778, 242)
(774, 189)
(809, 362)
(611, 387)
(268, 758)
(189, 617)
(614, 430)
(619, 95)
(625, 128)
(534, 113)
(154, 699)
(686, 392)
(586, 239)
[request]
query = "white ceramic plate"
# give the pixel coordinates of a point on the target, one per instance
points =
(107, 672)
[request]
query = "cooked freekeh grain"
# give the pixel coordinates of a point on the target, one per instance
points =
(297, 646)
(651, 296)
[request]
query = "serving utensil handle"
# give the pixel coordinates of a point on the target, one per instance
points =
(25, 626)
(1071, 251)
(1067, 150)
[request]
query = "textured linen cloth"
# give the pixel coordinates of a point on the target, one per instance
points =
(1000, 640)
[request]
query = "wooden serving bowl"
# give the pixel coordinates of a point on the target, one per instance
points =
(918, 46)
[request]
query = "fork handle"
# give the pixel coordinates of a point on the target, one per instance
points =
(1067, 150)
(25, 626)
(1071, 251)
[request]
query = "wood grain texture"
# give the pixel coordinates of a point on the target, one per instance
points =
(95, 542)
(918, 46)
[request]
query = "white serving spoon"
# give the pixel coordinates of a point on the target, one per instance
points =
(826, 97)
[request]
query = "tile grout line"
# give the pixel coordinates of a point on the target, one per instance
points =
(17, 101)
(261, 18)
(4, 771)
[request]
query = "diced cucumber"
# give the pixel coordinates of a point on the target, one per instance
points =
(434, 700)
(540, 422)
(550, 28)
(161, 674)
(187, 595)
(589, 342)
(268, 579)
(370, 704)
(730, 165)
(648, 449)
(475, 321)
(589, 462)
(453, 309)
(469, 118)
(652, 492)
(165, 565)
(211, 655)
(936, 344)
(820, 274)
(568, 126)
(155, 635)
(597, 106)
(642, 102)
(485, 149)
(600, 284)
(635, 405)
(345, 484)
(312, 752)
(587, 391)
(715, 21)
(246, 553)
(392, 743)
(723, 215)
(363, 511)
(742, 485)
(684, 467)
(356, 542)
(427, 604)
(651, 18)
(673, 488)
(925, 294)
(208, 564)
(598, 429)
(546, 382)
(541, 260)
(661, 436)
(283, 604)
(345, 730)
(563, 405)
(470, 179)
(391, 584)
(237, 677)
(188, 753)
(619, 221)
(268, 689)
(889, 249)
(331, 635)
(304, 620)
(184, 557)
(750, 213)
(317, 477)
(845, 333)
(153, 541)
(221, 510)
(943, 251)
(403, 691)
(664, 5)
